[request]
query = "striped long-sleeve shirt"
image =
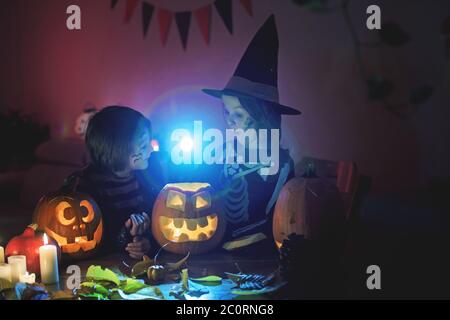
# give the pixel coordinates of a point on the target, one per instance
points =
(117, 198)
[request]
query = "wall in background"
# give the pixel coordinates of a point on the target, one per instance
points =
(53, 73)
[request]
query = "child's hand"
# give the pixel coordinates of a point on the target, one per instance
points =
(138, 248)
(138, 224)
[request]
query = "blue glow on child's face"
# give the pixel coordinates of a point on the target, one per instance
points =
(141, 150)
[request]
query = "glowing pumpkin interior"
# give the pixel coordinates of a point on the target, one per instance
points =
(187, 217)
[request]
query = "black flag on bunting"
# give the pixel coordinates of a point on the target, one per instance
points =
(183, 18)
(147, 14)
(225, 9)
(113, 3)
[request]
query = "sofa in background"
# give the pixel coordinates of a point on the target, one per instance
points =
(20, 191)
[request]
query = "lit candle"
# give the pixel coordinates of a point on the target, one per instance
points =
(18, 267)
(48, 258)
(28, 278)
(5, 271)
(2, 255)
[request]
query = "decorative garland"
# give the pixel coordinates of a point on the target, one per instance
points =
(183, 18)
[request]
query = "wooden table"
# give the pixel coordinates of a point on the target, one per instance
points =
(198, 266)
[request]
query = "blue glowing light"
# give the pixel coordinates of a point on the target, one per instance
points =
(186, 144)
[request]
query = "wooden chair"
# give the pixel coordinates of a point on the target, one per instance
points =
(344, 174)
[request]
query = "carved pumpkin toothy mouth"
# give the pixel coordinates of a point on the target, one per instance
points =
(81, 243)
(184, 230)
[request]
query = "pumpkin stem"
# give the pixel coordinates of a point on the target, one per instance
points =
(71, 182)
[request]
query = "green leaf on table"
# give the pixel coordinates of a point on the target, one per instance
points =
(129, 286)
(208, 279)
(147, 293)
(185, 279)
(97, 273)
(392, 34)
(421, 94)
(93, 296)
(93, 287)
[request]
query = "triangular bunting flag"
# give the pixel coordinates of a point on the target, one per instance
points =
(183, 20)
(224, 8)
(147, 14)
(131, 5)
(114, 3)
(165, 20)
(247, 4)
(203, 16)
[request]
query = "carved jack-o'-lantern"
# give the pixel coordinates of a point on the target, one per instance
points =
(188, 218)
(73, 219)
(311, 207)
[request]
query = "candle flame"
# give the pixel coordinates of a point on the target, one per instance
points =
(45, 239)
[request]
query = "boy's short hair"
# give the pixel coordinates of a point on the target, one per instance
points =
(109, 136)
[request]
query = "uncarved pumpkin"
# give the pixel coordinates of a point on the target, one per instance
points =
(188, 218)
(28, 244)
(311, 207)
(73, 219)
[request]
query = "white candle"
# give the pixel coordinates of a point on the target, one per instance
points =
(18, 267)
(5, 271)
(2, 255)
(28, 278)
(48, 258)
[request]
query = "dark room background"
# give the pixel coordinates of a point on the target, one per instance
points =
(53, 74)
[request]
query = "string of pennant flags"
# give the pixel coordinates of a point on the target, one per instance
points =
(183, 18)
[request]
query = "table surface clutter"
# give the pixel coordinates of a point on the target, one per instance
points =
(200, 277)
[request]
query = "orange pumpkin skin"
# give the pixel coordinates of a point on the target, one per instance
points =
(194, 225)
(74, 220)
(311, 207)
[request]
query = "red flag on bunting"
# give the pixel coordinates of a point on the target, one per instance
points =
(165, 21)
(131, 5)
(247, 4)
(203, 17)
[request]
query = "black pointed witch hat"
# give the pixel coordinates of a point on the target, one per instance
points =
(256, 74)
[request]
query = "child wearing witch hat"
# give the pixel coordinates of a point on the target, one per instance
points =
(250, 101)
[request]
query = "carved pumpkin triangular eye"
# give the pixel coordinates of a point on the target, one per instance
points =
(176, 200)
(202, 200)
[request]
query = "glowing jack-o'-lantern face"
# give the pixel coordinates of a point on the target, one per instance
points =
(187, 217)
(73, 220)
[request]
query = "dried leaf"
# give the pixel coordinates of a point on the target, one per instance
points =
(141, 267)
(63, 295)
(265, 290)
(177, 265)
